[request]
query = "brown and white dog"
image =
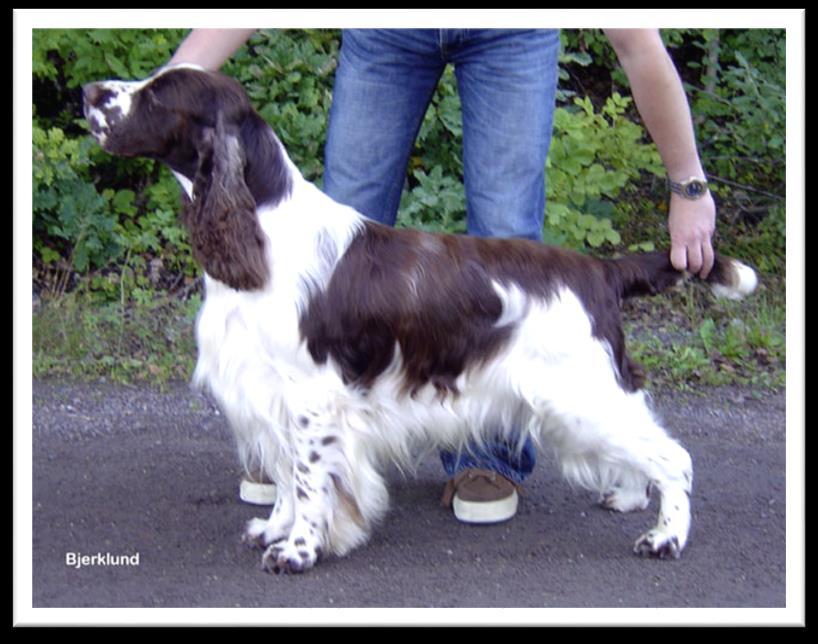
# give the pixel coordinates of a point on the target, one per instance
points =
(335, 344)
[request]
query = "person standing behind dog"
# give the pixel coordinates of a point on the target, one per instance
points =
(507, 84)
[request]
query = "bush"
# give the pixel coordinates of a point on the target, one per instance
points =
(736, 83)
(593, 157)
(741, 106)
(94, 213)
(70, 215)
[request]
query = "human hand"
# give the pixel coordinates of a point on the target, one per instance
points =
(691, 225)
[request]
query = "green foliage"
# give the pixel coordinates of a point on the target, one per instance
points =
(594, 156)
(713, 341)
(93, 212)
(67, 207)
(98, 212)
(79, 56)
(76, 335)
(765, 242)
(736, 83)
(741, 111)
(437, 203)
(93, 229)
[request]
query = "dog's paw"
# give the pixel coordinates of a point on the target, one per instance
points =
(625, 500)
(292, 556)
(657, 543)
(259, 533)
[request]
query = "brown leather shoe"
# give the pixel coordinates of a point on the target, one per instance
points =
(481, 496)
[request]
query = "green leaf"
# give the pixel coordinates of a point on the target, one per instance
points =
(123, 202)
(48, 255)
(707, 333)
(117, 66)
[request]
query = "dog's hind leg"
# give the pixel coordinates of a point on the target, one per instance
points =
(607, 440)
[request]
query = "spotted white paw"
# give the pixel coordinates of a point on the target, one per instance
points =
(292, 556)
(658, 543)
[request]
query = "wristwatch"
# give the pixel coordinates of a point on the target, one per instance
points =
(692, 188)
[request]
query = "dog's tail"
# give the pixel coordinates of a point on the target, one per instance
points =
(652, 273)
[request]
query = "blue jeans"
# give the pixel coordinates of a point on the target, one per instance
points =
(507, 83)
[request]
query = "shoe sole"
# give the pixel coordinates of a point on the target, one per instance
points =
(485, 511)
(257, 493)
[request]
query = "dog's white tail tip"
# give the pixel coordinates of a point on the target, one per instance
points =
(739, 283)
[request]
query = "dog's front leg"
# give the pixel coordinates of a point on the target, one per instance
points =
(311, 494)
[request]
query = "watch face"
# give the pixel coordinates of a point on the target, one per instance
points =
(695, 189)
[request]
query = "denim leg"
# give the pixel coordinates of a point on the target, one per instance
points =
(499, 456)
(383, 85)
(507, 83)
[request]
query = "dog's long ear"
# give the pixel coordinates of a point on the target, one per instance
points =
(224, 229)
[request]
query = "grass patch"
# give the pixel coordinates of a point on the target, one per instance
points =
(77, 336)
(687, 339)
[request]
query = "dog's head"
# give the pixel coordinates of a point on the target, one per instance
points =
(173, 116)
(204, 127)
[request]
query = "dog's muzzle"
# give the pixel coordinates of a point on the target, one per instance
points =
(100, 114)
